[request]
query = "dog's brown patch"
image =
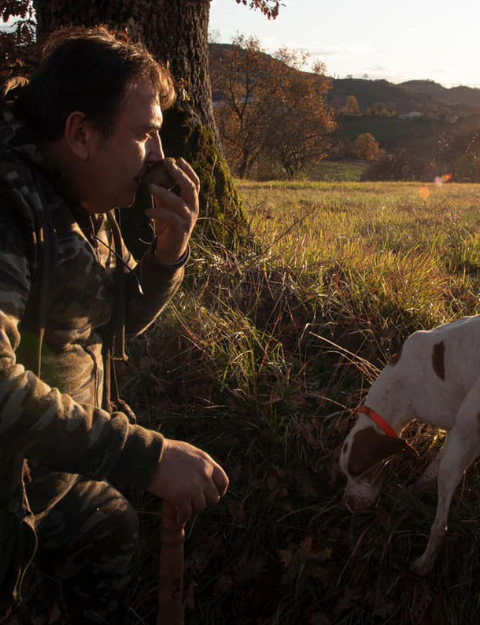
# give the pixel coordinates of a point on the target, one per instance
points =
(395, 358)
(369, 448)
(438, 360)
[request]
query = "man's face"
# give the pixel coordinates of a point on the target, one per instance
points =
(116, 163)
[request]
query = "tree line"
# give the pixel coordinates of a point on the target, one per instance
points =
(272, 112)
(272, 116)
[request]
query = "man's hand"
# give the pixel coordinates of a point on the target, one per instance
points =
(175, 216)
(188, 478)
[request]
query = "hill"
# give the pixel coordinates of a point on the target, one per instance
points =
(369, 92)
(423, 96)
(456, 96)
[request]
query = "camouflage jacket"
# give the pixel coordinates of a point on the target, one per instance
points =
(58, 262)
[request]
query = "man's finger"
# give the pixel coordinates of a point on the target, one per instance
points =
(168, 197)
(171, 219)
(185, 177)
(221, 480)
(187, 168)
(174, 202)
(184, 512)
(212, 495)
(167, 200)
(199, 503)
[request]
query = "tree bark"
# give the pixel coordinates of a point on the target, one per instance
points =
(176, 33)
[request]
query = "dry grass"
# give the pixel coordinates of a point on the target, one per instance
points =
(262, 360)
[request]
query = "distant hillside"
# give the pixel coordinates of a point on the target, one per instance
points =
(422, 109)
(462, 96)
(424, 96)
(368, 92)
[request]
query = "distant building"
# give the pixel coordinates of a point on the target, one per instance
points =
(413, 116)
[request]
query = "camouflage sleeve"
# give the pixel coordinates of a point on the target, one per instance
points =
(159, 283)
(39, 421)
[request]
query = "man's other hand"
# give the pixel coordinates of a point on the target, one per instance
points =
(175, 215)
(188, 478)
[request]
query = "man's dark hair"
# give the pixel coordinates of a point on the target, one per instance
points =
(89, 70)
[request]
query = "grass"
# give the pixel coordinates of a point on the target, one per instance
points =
(338, 171)
(262, 360)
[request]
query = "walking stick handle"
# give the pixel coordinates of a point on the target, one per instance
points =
(170, 582)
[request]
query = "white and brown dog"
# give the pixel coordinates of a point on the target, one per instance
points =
(435, 378)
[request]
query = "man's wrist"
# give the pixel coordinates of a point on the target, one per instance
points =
(175, 265)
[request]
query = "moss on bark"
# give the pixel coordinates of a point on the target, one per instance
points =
(223, 217)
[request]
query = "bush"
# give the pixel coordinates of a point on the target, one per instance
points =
(402, 165)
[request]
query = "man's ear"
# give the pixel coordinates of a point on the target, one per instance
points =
(78, 135)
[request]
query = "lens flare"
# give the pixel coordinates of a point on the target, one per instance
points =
(423, 193)
(441, 180)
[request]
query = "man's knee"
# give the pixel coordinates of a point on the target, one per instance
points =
(94, 526)
(90, 543)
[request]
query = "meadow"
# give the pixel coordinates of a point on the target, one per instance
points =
(263, 360)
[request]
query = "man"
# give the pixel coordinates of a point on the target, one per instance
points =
(74, 144)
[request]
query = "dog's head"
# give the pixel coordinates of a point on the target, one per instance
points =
(363, 458)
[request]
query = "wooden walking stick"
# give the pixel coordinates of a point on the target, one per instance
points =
(170, 581)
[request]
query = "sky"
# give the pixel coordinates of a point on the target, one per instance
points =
(415, 39)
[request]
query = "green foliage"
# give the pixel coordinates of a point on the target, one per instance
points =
(263, 360)
(389, 131)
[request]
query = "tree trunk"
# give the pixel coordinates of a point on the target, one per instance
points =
(176, 32)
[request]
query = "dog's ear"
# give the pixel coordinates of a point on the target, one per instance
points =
(400, 446)
(369, 448)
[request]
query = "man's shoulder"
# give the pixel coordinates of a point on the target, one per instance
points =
(19, 188)
(19, 153)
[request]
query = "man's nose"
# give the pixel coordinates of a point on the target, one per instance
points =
(155, 149)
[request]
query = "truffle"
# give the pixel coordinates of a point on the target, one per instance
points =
(158, 174)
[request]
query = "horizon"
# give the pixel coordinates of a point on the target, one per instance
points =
(363, 46)
(370, 78)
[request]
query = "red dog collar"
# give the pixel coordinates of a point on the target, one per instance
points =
(376, 418)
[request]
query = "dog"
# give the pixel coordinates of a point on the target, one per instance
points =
(435, 378)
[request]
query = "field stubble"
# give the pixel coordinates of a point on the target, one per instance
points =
(262, 361)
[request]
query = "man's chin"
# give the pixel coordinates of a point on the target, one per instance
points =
(128, 200)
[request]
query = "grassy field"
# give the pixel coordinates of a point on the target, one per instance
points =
(338, 171)
(262, 361)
